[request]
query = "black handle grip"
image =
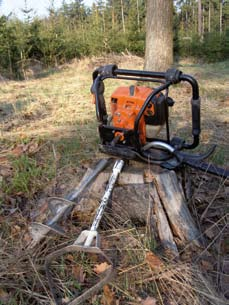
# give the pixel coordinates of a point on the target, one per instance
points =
(195, 117)
(105, 71)
(195, 104)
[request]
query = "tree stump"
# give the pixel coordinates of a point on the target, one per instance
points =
(149, 196)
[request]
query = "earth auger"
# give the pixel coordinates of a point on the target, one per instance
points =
(130, 131)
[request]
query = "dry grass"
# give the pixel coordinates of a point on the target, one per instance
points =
(22, 273)
(55, 111)
(58, 105)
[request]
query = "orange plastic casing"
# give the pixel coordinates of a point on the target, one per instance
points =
(125, 106)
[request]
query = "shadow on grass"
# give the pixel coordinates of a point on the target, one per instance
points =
(76, 143)
(46, 73)
(8, 109)
(211, 71)
(209, 137)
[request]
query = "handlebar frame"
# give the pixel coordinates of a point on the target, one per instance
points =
(166, 79)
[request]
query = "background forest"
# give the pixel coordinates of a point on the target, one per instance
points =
(75, 30)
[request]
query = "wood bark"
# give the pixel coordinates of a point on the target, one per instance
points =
(159, 35)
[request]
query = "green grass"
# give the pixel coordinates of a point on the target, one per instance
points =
(28, 176)
(220, 157)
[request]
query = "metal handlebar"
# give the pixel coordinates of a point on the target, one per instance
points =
(170, 77)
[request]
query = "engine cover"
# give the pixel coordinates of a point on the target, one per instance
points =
(126, 103)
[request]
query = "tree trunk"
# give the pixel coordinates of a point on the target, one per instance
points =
(159, 35)
(10, 61)
(203, 24)
(104, 23)
(209, 17)
(138, 16)
(123, 20)
(200, 18)
(220, 16)
(193, 15)
(113, 15)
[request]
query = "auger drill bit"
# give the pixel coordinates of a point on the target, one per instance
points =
(61, 207)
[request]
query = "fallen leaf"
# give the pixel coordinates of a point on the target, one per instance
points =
(32, 147)
(206, 265)
(15, 230)
(27, 238)
(70, 258)
(100, 268)
(5, 170)
(154, 261)
(18, 150)
(3, 160)
(78, 273)
(108, 296)
(94, 258)
(149, 301)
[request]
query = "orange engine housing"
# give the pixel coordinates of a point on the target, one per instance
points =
(126, 103)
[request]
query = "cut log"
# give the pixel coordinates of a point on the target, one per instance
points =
(135, 199)
(163, 227)
(132, 201)
(175, 205)
(129, 176)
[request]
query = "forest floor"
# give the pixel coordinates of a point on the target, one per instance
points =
(48, 136)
